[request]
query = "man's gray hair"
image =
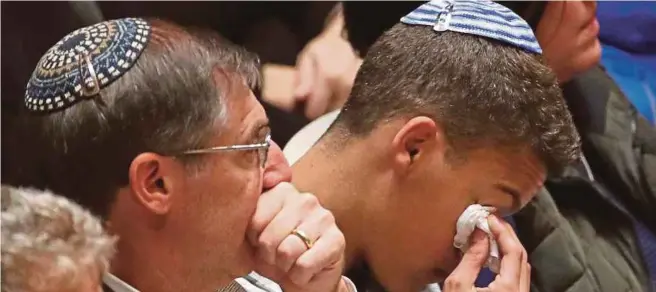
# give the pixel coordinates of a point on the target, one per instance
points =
(49, 243)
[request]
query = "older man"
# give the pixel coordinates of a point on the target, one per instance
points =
(154, 128)
(51, 244)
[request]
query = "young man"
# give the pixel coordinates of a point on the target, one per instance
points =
(444, 113)
(616, 179)
(154, 129)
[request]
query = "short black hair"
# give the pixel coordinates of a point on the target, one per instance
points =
(481, 91)
(168, 102)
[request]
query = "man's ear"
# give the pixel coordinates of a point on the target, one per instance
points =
(152, 181)
(416, 139)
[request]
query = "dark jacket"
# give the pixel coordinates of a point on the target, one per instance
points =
(580, 231)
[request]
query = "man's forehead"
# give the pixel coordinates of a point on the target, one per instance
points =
(248, 112)
(243, 111)
(526, 173)
(519, 171)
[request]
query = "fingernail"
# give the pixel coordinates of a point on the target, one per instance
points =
(493, 219)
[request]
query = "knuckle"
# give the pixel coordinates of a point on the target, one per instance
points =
(286, 252)
(505, 285)
(285, 188)
(257, 226)
(477, 254)
(453, 283)
(528, 269)
(341, 239)
(338, 242)
(309, 201)
(516, 248)
(304, 264)
(266, 244)
(326, 217)
(297, 277)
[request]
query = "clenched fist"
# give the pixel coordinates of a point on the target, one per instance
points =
(298, 243)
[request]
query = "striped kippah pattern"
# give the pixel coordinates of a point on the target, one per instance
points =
(476, 17)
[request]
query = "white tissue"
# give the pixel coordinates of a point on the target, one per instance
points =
(475, 216)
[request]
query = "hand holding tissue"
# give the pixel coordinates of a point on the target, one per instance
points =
(475, 216)
(515, 272)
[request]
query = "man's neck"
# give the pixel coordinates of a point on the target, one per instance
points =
(344, 184)
(152, 267)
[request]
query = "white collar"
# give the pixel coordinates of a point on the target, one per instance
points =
(117, 284)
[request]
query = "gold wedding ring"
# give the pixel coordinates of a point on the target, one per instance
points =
(308, 242)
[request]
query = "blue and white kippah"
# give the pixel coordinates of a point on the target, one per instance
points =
(84, 62)
(476, 17)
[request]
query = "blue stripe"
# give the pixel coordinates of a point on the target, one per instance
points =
(421, 18)
(488, 6)
(488, 13)
(528, 45)
(507, 34)
(473, 18)
(478, 17)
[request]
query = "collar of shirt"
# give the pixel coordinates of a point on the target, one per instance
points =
(116, 284)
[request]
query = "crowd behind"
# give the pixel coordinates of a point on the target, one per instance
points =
(328, 146)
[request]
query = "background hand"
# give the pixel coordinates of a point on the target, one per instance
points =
(325, 71)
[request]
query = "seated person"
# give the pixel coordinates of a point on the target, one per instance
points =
(447, 111)
(615, 179)
(50, 244)
(154, 128)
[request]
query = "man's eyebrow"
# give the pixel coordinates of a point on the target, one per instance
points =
(516, 197)
(255, 131)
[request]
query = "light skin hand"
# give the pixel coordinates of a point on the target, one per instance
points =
(284, 257)
(515, 272)
(326, 70)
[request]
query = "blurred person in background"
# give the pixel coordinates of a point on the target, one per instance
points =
(599, 212)
(276, 31)
(629, 50)
(155, 129)
(50, 244)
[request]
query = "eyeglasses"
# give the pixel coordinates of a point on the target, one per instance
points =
(262, 149)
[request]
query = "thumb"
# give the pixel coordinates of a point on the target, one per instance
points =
(465, 274)
(305, 75)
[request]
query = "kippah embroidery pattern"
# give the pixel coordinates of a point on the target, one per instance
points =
(111, 47)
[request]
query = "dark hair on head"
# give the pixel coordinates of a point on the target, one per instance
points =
(481, 91)
(173, 99)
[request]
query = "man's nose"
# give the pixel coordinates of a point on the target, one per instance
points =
(277, 168)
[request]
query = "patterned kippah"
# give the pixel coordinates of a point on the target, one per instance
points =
(84, 62)
(476, 17)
